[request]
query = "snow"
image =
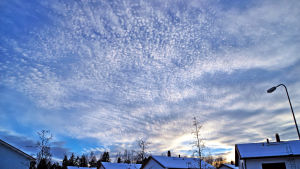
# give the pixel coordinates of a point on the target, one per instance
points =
(74, 167)
(231, 166)
(108, 165)
(176, 162)
(283, 148)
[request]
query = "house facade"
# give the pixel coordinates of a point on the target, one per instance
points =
(268, 155)
(13, 158)
(163, 162)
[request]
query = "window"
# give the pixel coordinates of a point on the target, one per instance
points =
(273, 166)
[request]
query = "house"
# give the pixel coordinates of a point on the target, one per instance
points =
(163, 162)
(268, 155)
(12, 157)
(107, 165)
(228, 166)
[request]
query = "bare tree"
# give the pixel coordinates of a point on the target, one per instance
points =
(43, 146)
(119, 157)
(143, 145)
(126, 157)
(199, 143)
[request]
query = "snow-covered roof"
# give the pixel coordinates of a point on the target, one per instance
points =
(75, 167)
(108, 165)
(231, 166)
(272, 149)
(176, 162)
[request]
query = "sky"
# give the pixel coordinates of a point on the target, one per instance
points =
(101, 74)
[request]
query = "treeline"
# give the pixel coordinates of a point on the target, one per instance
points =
(91, 160)
(44, 156)
(82, 161)
(85, 161)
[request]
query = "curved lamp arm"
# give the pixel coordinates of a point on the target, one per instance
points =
(287, 93)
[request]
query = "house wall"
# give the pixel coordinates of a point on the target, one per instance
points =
(241, 164)
(290, 163)
(12, 160)
(153, 165)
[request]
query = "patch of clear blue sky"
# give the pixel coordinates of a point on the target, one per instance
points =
(16, 106)
(241, 5)
(78, 146)
(21, 18)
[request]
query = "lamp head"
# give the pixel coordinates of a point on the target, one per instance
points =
(272, 89)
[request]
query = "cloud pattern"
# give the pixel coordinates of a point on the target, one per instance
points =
(122, 70)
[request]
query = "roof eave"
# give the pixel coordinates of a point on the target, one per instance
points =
(290, 155)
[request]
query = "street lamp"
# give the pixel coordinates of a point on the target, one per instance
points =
(272, 89)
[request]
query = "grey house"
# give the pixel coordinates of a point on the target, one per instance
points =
(13, 158)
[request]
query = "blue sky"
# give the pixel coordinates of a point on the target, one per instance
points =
(101, 74)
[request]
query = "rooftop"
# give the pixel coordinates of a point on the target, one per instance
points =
(176, 162)
(271, 149)
(108, 165)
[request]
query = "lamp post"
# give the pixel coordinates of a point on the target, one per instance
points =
(272, 89)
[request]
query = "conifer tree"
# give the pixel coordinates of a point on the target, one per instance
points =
(42, 164)
(83, 161)
(65, 162)
(77, 161)
(93, 160)
(49, 165)
(55, 166)
(99, 163)
(105, 157)
(32, 165)
(72, 160)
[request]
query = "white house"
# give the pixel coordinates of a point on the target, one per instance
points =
(228, 166)
(268, 155)
(163, 162)
(13, 158)
(107, 165)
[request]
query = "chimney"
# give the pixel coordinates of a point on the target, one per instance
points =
(277, 137)
(169, 153)
(268, 141)
(179, 155)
